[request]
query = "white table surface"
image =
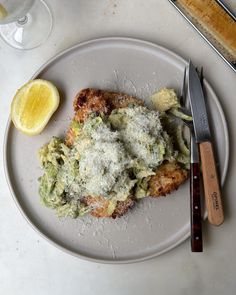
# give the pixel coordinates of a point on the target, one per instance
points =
(31, 265)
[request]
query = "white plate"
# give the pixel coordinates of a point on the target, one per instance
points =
(154, 226)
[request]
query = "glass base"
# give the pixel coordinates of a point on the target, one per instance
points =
(31, 30)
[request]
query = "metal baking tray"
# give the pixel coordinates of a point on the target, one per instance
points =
(223, 53)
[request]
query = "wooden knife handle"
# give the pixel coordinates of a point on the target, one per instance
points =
(195, 203)
(211, 184)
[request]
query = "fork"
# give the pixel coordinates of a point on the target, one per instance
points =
(195, 198)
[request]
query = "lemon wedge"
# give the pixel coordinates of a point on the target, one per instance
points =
(3, 12)
(33, 105)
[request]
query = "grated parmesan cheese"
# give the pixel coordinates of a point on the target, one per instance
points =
(109, 156)
(140, 130)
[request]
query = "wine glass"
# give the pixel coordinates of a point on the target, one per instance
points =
(25, 24)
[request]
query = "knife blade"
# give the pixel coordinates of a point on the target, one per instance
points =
(203, 138)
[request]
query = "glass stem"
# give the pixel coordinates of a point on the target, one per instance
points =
(23, 20)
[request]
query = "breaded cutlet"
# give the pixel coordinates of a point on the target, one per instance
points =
(169, 176)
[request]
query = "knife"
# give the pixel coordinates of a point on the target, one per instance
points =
(203, 138)
(195, 198)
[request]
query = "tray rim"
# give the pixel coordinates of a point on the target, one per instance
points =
(232, 65)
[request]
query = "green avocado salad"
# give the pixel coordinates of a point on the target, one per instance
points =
(112, 156)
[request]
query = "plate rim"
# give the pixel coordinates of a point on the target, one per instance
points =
(9, 123)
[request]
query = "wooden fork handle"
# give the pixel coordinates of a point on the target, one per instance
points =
(211, 184)
(195, 203)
